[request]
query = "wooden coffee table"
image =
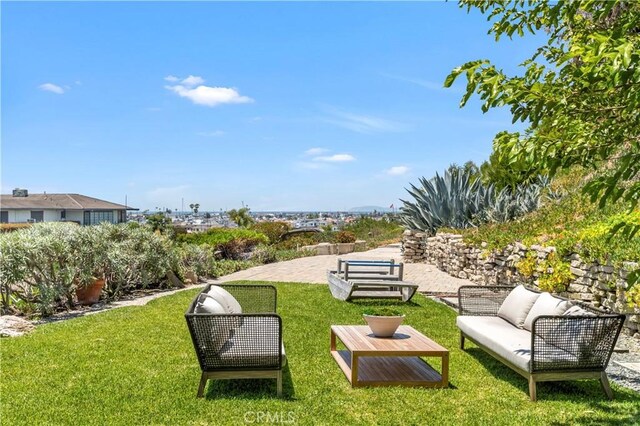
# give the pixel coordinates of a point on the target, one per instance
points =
(392, 361)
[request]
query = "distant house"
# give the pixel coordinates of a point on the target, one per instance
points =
(21, 207)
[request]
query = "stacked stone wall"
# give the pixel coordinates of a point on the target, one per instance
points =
(602, 286)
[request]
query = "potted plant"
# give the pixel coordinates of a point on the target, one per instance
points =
(383, 322)
(90, 258)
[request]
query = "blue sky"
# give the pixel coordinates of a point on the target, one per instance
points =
(282, 106)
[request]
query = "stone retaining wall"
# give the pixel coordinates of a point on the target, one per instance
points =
(599, 285)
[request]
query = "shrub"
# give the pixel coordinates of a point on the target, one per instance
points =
(376, 232)
(198, 259)
(283, 255)
(137, 257)
(228, 266)
(556, 274)
(273, 230)
(41, 266)
(8, 227)
(37, 270)
(528, 266)
(296, 241)
(345, 237)
(265, 254)
(231, 243)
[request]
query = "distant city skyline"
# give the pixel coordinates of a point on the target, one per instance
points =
(282, 106)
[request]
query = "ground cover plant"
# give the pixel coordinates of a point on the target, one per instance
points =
(571, 224)
(136, 365)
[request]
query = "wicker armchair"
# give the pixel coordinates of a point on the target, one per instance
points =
(239, 346)
(559, 347)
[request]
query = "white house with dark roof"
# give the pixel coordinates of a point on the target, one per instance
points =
(21, 207)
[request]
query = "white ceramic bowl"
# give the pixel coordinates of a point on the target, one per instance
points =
(383, 326)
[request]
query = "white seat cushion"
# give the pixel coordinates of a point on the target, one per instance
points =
(517, 305)
(226, 299)
(546, 304)
(498, 335)
(509, 342)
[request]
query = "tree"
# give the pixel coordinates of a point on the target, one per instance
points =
(469, 167)
(579, 93)
(241, 217)
(504, 174)
(159, 222)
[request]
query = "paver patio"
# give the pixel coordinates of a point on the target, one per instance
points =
(313, 270)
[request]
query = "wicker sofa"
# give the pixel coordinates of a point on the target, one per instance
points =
(567, 344)
(237, 337)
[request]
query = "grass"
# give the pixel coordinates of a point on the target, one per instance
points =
(136, 365)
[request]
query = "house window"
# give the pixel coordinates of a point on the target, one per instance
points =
(93, 218)
(4, 217)
(37, 215)
(63, 214)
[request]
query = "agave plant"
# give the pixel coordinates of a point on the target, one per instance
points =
(455, 200)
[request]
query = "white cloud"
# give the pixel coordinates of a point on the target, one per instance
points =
(336, 158)
(362, 123)
(213, 134)
(397, 170)
(192, 80)
(315, 151)
(53, 88)
(171, 78)
(193, 89)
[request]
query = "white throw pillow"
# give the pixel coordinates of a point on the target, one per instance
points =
(546, 305)
(517, 305)
(209, 305)
(226, 299)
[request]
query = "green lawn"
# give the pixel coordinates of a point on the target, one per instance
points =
(136, 365)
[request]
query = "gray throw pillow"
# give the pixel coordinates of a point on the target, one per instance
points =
(517, 305)
(216, 340)
(546, 304)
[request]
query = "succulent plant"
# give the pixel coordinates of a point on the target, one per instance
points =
(456, 200)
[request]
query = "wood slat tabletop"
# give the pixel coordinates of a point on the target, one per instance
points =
(406, 341)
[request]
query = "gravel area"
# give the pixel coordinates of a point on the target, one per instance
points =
(619, 369)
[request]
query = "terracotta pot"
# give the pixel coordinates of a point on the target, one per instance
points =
(90, 294)
(383, 326)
